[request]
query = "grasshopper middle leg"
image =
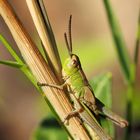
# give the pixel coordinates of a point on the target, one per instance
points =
(74, 113)
(51, 85)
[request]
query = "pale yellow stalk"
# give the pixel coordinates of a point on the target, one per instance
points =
(41, 71)
(53, 57)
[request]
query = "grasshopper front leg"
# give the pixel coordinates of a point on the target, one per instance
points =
(51, 85)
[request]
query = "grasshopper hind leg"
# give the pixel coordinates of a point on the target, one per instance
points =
(90, 105)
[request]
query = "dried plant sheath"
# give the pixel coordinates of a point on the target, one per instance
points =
(41, 71)
(45, 36)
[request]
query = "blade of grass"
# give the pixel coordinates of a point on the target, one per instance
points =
(99, 89)
(126, 65)
(10, 49)
(129, 113)
(11, 63)
(42, 72)
(137, 42)
(102, 88)
(24, 69)
(130, 89)
(49, 30)
(121, 49)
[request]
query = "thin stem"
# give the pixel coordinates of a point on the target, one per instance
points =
(10, 49)
(11, 63)
(137, 46)
(129, 116)
(122, 52)
(131, 86)
(125, 63)
(24, 67)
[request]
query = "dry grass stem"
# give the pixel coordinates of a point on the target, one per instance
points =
(41, 71)
(53, 57)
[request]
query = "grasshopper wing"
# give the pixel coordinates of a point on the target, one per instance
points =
(100, 109)
(89, 118)
(107, 113)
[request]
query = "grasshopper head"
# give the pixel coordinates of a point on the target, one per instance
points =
(72, 64)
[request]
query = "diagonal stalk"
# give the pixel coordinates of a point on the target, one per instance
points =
(41, 21)
(137, 45)
(11, 63)
(120, 45)
(23, 68)
(127, 66)
(42, 72)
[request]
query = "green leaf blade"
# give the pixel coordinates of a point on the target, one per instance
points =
(49, 129)
(101, 85)
(121, 48)
(10, 49)
(11, 63)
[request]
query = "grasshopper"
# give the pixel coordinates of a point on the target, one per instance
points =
(86, 105)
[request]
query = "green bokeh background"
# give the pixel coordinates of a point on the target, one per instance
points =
(22, 109)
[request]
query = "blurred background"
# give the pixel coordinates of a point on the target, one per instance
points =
(21, 106)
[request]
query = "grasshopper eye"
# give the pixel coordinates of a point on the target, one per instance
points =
(74, 62)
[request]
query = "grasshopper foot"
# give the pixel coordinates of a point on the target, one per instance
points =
(42, 84)
(74, 113)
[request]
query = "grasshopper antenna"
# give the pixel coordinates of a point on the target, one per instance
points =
(69, 43)
(70, 37)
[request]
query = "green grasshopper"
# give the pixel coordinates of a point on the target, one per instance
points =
(86, 105)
